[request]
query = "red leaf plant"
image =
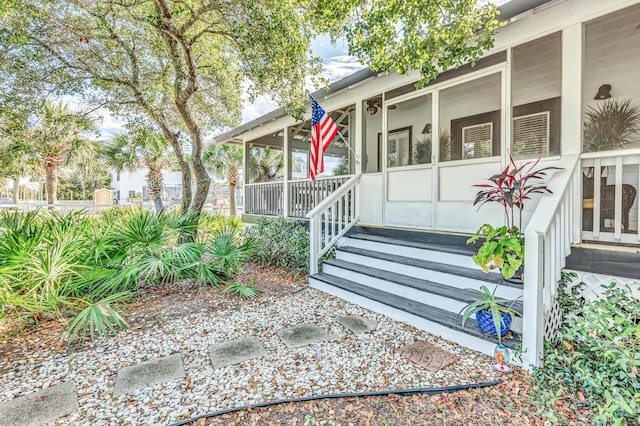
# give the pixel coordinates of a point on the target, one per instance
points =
(511, 188)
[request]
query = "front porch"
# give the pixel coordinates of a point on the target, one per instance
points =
(408, 157)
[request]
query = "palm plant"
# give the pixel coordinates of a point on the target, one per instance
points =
(87, 166)
(225, 161)
(53, 264)
(15, 158)
(613, 124)
(57, 138)
(142, 147)
(265, 164)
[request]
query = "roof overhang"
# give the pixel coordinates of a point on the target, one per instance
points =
(507, 10)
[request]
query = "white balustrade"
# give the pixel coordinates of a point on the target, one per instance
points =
(548, 239)
(331, 219)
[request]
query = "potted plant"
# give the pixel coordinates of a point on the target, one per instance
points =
(612, 124)
(503, 246)
(492, 313)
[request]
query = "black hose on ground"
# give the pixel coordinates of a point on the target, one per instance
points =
(403, 392)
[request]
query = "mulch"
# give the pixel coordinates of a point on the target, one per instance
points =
(506, 404)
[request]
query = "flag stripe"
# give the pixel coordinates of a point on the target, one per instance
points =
(323, 130)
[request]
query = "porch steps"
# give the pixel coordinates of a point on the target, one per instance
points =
(420, 278)
(606, 260)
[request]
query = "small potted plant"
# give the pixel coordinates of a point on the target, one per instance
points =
(492, 313)
(503, 246)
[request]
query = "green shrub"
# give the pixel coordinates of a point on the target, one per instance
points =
(86, 265)
(595, 359)
(281, 243)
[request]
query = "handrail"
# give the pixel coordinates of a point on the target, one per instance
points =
(340, 191)
(338, 212)
(548, 238)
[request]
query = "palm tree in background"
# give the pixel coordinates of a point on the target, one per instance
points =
(142, 147)
(58, 138)
(265, 165)
(225, 161)
(87, 167)
(15, 159)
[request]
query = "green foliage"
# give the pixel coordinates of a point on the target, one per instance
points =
(280, 242)
(487, 301)
(85, 265)
(427, 35)
(422, 151)
(97, 319)
(244, 291)
(612, 124)
(501, 249)
(596, 356)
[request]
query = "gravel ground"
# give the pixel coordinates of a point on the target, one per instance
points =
(346, 363)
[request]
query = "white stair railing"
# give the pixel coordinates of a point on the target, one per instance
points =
(331, 219)
(548, 239)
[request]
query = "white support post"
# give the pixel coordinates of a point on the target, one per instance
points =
(617, 210)
(533, 312)
(358, 140)
(314, 244)
(286, 202)
(571, 106)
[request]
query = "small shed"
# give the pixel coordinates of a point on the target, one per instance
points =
(103, 197)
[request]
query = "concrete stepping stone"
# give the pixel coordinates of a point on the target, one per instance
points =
(235, 351)
(357, 324)
(302, 335)
(40, 407)
(149, 373)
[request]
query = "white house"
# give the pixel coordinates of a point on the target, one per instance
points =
(127, 184)
(557, 69)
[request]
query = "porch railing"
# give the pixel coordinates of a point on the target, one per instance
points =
(331, 219)
(264, 198)
(304, 195)
(548, 238)
(612, 197)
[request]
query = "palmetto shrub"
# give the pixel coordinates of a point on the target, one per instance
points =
(87, 265)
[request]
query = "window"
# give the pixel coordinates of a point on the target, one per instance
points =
(536, 129)
(531, 135)
(477, 140)
(399, 147)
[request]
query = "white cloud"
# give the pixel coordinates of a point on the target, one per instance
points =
(337, 67)
(334, 68)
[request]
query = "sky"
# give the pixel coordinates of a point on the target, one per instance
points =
(337, 64)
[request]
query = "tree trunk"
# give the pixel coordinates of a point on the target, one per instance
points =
(232, 199)
(155, 183)
(51, 182)
(16, 190)
(185, 86)
(82, 187)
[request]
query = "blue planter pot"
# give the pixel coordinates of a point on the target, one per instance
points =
(485, 322)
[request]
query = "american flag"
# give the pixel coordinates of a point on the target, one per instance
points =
(323, 130)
